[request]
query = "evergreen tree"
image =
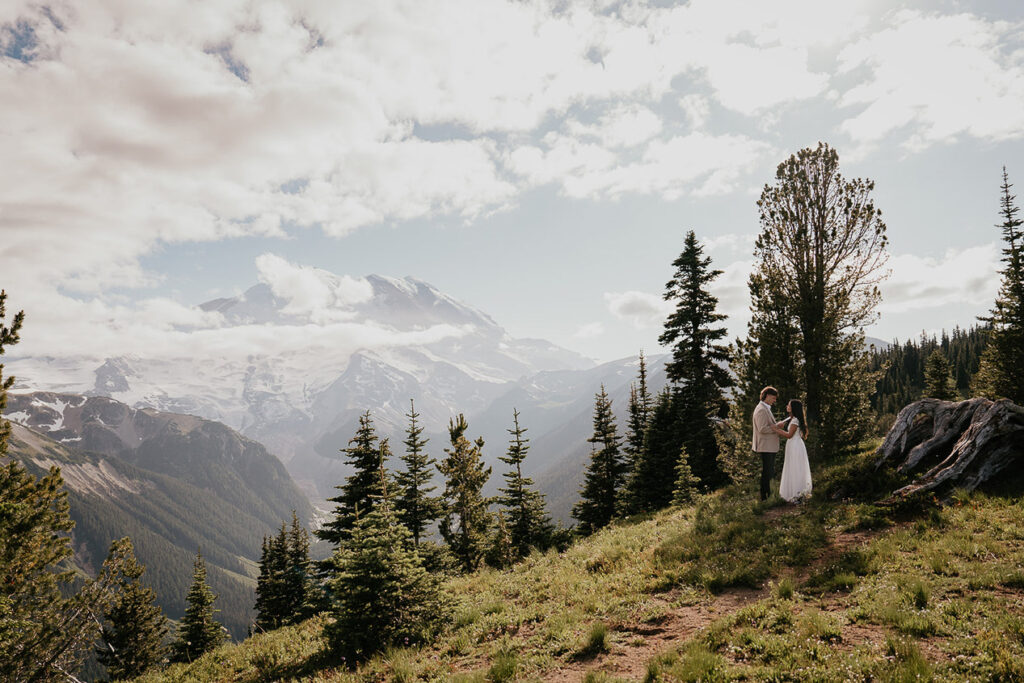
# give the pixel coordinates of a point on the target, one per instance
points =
(530, 525)
(360, 489)
(939, 382)
(198, 631)
(9, 336)
(698, 359)
(465, 521)
(46, 628)
(820, 257)
(901, 369)
(300, 588)
(652, 478)
(640, 407)
(271, 599)
(382, 594)
(685, 483)
(285, 592)
(135, 627)
(1003, 361)
(415, 507)
(502, 553)
(605, 473)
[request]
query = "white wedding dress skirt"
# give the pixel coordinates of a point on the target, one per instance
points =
(796, 470)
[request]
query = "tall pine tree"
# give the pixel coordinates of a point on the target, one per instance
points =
(697, 367)
(134, 626)
(382, 594)
(285, 591)
(528, 523)
(465, 521)
(415, 507)
(605, 473)
(198, 631)
(367, 457)
(271, 602)
(653, 474)
(300, 587)
(1003, 362)
(640, 407)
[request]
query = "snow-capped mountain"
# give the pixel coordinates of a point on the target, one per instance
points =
(293, 369)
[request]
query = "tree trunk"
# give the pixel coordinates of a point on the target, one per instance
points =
(963, 445)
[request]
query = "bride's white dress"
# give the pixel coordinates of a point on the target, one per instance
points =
(796, 470)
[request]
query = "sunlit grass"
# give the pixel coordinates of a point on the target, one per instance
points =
(943, 581)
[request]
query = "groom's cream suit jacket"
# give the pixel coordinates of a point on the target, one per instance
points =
(765, 438)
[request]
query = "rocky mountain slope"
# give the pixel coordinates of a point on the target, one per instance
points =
(174, 483)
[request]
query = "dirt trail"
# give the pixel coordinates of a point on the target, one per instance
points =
(629, 657)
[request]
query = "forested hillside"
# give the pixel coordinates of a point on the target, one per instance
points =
(902, 369)
(189, 497)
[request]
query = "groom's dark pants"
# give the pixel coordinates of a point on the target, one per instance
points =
(767, 472)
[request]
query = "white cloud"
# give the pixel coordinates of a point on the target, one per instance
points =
(589, 331)
(938, 77)
(315, 294)
(626, 125)
(697, 163)
(641, 309)
(731, 241)
(697, 109)
(960, 276)
(138, 126)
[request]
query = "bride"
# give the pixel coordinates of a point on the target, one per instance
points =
(796, 471)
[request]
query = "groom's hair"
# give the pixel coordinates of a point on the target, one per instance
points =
(769, 391)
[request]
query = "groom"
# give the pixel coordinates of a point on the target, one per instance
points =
(766, 437)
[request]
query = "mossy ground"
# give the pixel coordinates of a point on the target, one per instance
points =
(727, 589)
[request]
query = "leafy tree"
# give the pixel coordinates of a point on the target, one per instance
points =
(465, 520)
(415, 507)
(605, 473)
(820, 257)
(640, 407)
(382, 594)
(134, 625)
(698, 359)
(1002, 372)
(939, 381)
(530, 525)
(360, 489)
(685, 483)
(198, 631)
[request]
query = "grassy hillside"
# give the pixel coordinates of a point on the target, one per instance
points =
(727, 589)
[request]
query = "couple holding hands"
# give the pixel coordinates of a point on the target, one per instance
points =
(796, 470)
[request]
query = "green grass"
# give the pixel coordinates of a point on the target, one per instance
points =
(934, 595)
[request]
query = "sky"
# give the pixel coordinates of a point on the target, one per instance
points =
(541, 161)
